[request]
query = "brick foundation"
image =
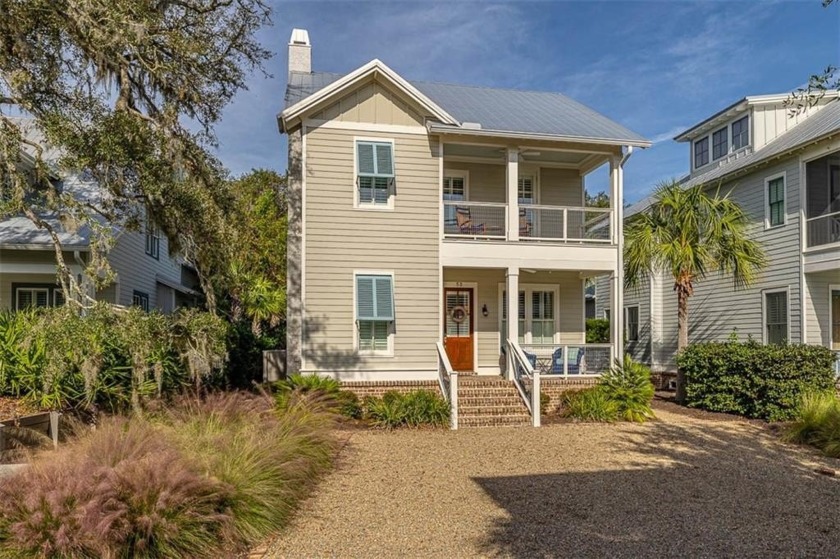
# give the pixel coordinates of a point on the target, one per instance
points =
(555, 387)
(378, 388)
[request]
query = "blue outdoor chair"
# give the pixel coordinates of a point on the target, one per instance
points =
(574, 364)
(531, 359)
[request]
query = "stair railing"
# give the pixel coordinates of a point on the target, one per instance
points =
(526, 379)
(448, 380)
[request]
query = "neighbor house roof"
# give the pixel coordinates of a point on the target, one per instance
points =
(484, 110)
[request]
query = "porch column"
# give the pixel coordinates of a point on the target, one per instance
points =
(617, 278)
(512, 290)
(512, 184)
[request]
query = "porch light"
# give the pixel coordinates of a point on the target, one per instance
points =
(484, 311)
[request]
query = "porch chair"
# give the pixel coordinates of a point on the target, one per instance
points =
(574, 363)
(524, 223)
(465, 224)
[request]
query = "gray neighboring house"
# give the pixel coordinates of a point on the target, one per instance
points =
(147, 275)
(784, 171)
(416, 207)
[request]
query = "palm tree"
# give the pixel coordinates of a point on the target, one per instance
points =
(690, 233)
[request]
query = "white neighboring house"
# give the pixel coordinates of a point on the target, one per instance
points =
(784, 171)
(146, 274)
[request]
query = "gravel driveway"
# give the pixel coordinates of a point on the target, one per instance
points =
(680, 486)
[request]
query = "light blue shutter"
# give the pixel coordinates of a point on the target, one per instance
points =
(384, 160)
(365, 302)
(374, 298)
(366, 162)
(384, 292)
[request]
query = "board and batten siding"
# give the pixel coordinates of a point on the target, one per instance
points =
(372, 103)
(340, 239)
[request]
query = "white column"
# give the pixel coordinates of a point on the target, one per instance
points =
(512, 184)
(512, 290)
(617, 279)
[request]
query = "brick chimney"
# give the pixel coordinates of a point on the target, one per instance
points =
(300, 51)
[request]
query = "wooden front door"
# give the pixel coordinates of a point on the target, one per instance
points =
(458, 332)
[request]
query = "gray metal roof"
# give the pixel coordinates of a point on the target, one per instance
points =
(503, 110)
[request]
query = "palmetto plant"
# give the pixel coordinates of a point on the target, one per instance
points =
(690, 233)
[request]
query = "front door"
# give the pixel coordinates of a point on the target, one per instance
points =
(458, 333)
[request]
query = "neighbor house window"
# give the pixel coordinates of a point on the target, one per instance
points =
(720, 143)
(631, 323)
(775, 317)
(542, 317)
(32, 297)
(152, 240)
(140, 299)
(375, 172)
(374, 312)
(701, 152)
(741, 133)
(776, 201)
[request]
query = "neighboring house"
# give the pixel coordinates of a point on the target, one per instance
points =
(784, 172)
(416, 207)
(146, 274)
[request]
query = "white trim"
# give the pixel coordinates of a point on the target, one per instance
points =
(466, 285)
(831, 288)
(365, 127)
(728, 130)
(803, 321)
(304, 132)
(764, 293)
(783, 176)
(24, 268)
(391, 325)
(373, 68)
(32, 290)
(456, 173)
(708, 139)
(373, 375)
(529, 288)
(638, 322)
(391, 197)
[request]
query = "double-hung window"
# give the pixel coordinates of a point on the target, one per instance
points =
(631, 323)
(29, 297)
(741, 133)
(374, 172)
(526, 190)
(720, 143)
(701, 152)
(152, 240)
(374, 313)
(140, 299)
(776, 201)
(542, 317)
(775, 317)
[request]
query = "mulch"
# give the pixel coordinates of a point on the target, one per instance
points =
(10, 408)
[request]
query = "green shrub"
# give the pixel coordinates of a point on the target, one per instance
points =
(589, 404)
(597, 331)
(545, 400)
(312, 383)
(628, 384)
(349, 404)
(817, 422)
(411, 409)
(345, 402)
(754, 380)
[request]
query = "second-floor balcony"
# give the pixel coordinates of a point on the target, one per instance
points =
(478, 220)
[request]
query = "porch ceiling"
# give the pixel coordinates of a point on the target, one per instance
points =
(496, 154)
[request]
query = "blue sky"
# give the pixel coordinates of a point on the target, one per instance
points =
(656, 67)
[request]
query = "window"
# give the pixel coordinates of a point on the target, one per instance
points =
(720, 143)
(775, 201)
(835, 319)
(741, 133)
(775, 317)
(542, 317)
(374, 312)
(521, 316)
(701, 152)
(34, 296)
(526, 190)
(375, 172)
(631, 323)
(140, 299)
(152, 240)
(454, 190)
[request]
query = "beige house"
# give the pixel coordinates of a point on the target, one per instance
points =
(417, 207)
(147, 275)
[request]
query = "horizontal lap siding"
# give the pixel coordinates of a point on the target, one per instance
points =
(561, 187)
(818, 306)
(640, 297)
(339, 239)
(487, 183)
(136, 270)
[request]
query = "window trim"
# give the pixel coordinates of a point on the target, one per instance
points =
(143, 296)
(48, 287)
(764, 294)
(707, 139)
(638, 322)
(726, 133)
(731, 125)
(534, 187)
(831, 341)
(529, 289)
(368, 206)
(152, 240)
(767, 180)
(391, 324)
(457, 174)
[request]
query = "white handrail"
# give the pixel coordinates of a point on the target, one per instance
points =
(532, 400)
(448, 380)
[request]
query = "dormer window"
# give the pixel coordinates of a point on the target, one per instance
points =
(701, 152)
(720, 143)
(741, 133)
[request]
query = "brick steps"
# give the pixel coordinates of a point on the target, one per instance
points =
(490, 402)
(494, 421)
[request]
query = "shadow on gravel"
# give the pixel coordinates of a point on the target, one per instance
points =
(720, 491)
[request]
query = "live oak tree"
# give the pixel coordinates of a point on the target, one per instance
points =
(689, 233)
(127, 92)
(806, 97)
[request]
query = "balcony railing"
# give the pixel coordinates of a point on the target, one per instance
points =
(487, 220)
(823, 230)
(569, 360)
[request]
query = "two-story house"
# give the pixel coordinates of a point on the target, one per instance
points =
(417, 207)
(783, 169)
(146, 274)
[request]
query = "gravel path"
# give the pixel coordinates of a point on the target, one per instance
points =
(680, 486)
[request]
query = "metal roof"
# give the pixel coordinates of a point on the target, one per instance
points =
(502, 110)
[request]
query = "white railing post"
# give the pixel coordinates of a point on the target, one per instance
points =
(535, 399)
(565, 224)
(565, 360)
(453, 400)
